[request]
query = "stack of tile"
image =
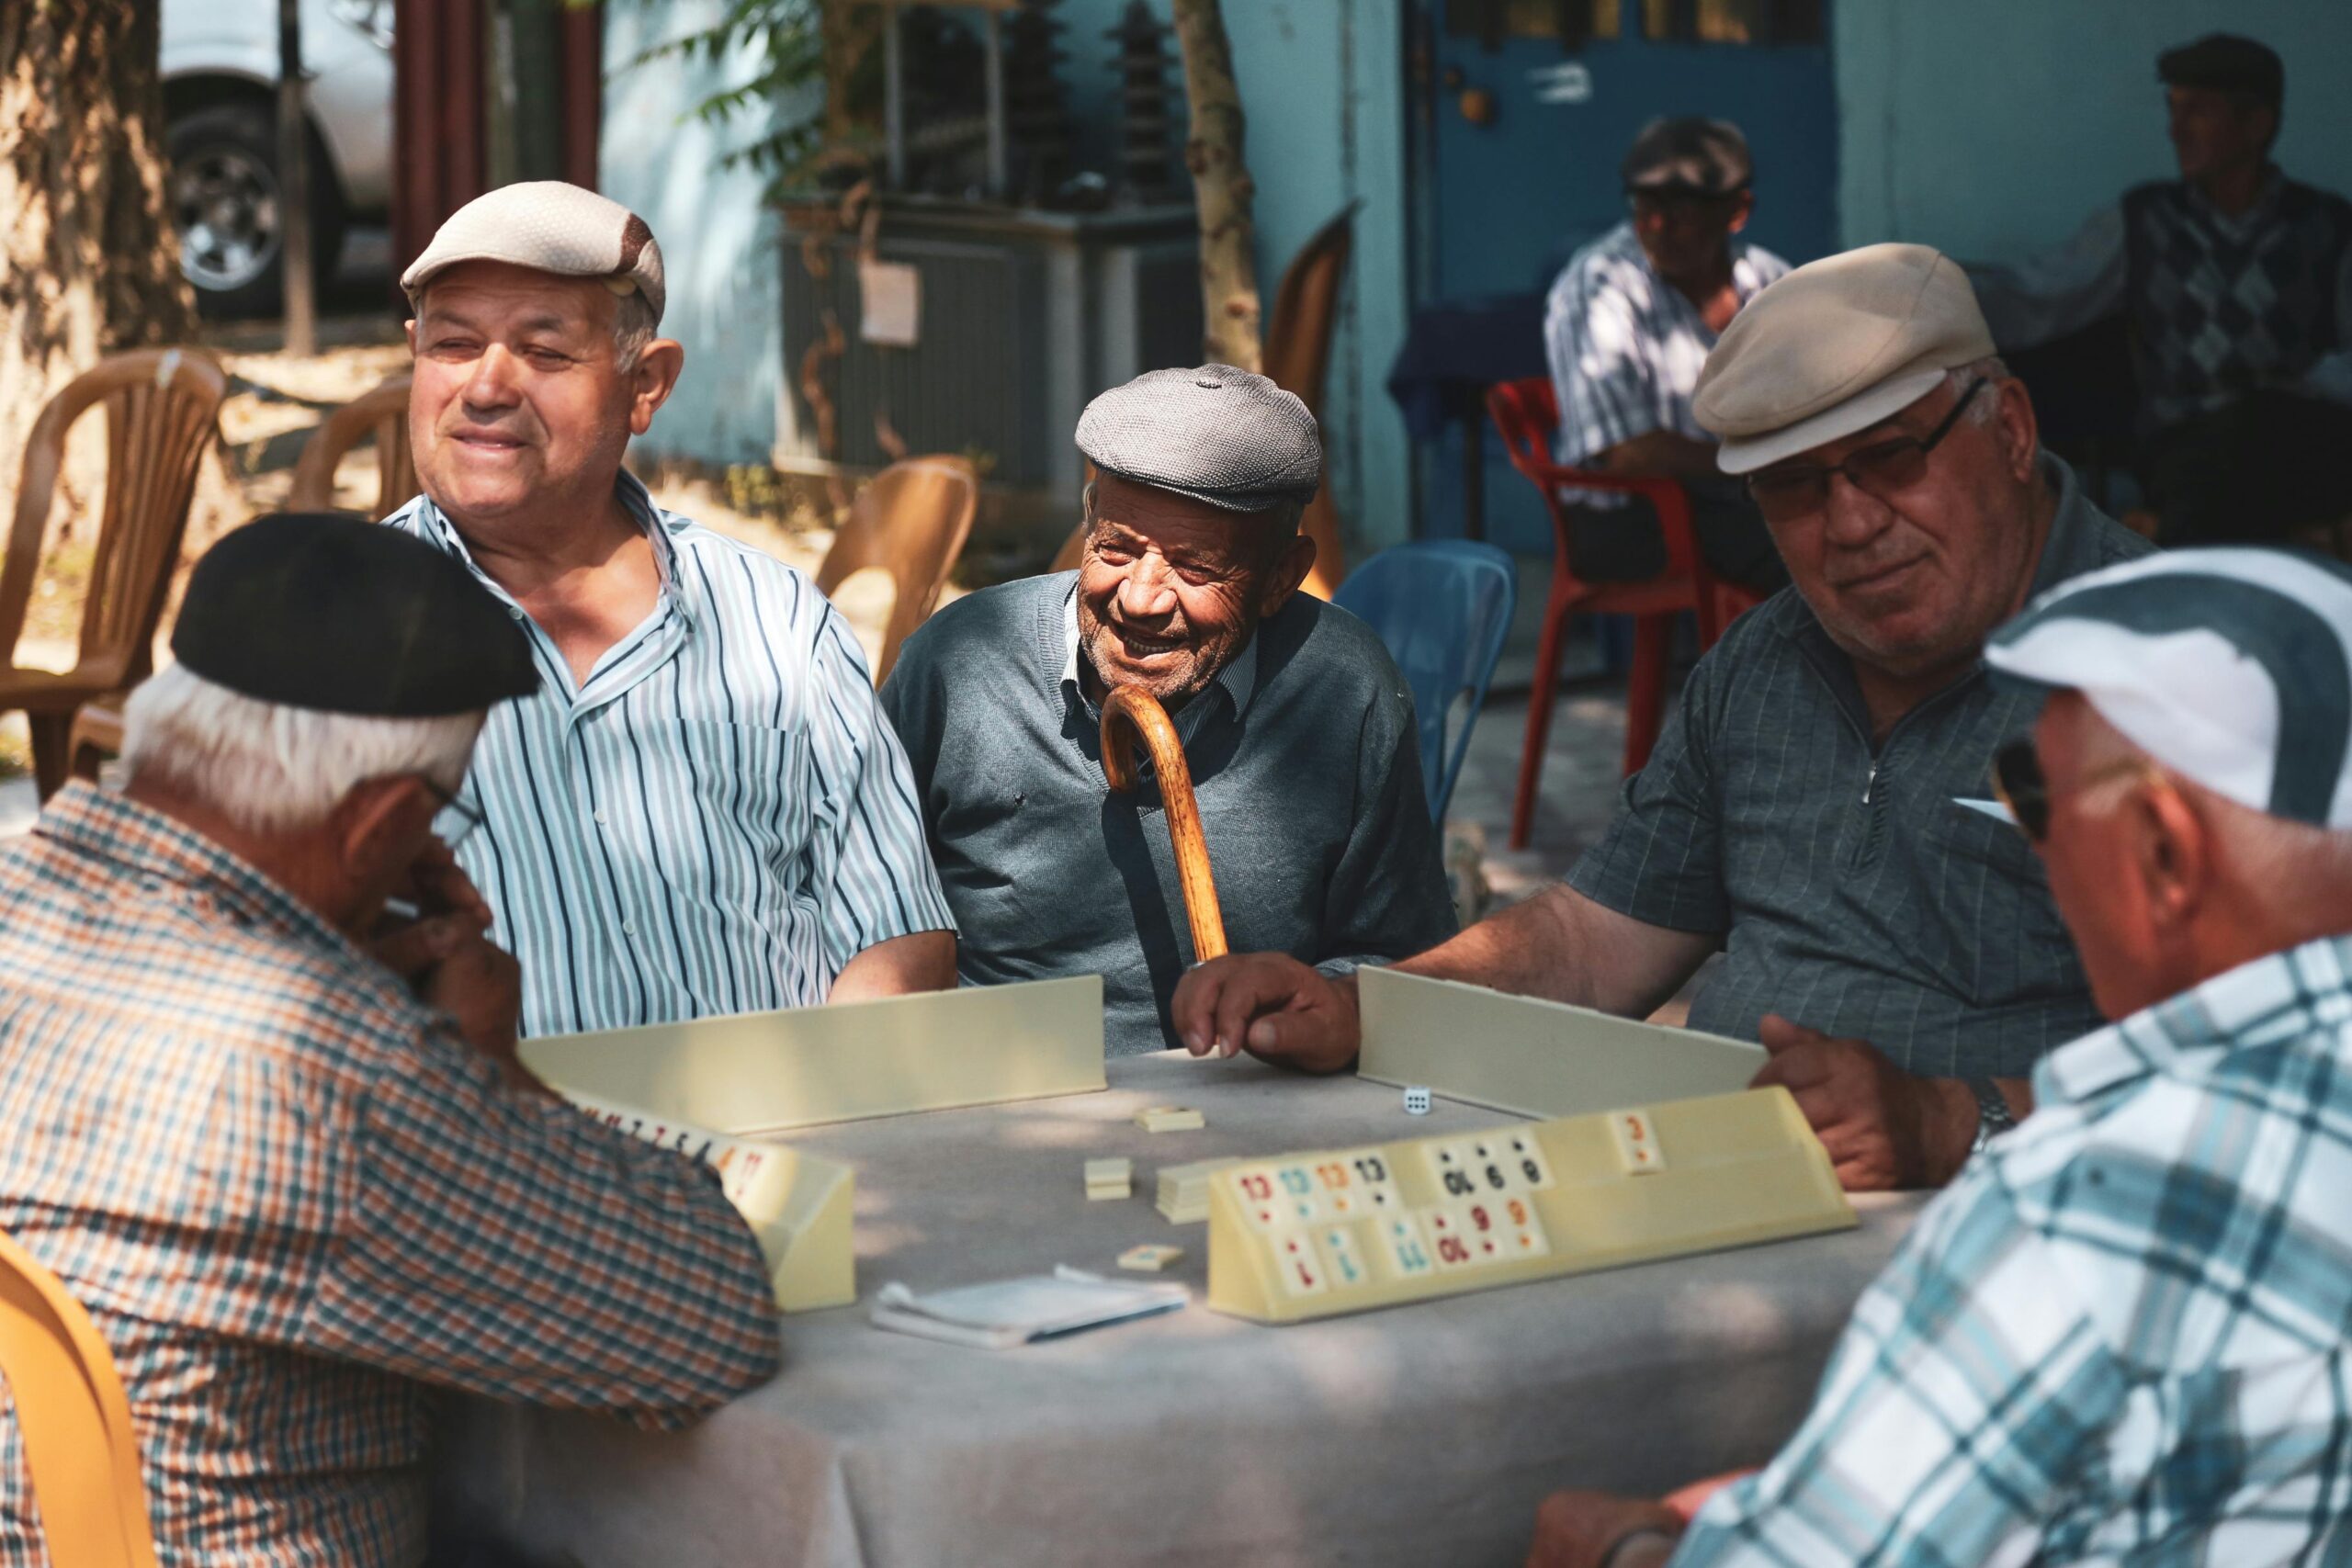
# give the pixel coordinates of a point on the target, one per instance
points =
(1184, 1190)
(1110, 1179)
(1170, 1118)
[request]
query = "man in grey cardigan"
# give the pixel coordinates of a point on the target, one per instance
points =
(1296, 726)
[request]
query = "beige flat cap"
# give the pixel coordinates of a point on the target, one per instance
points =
(549, 226)
(1834, 347)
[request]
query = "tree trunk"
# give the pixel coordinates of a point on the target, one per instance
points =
(88, 261)
(1221, 185)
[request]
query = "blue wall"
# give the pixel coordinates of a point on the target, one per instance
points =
(1991, 128)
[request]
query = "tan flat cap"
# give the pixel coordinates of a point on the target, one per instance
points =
(549, 226)
(1834, 347)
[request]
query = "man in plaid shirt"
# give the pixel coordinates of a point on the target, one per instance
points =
(298, 1192)
(2119, 1336)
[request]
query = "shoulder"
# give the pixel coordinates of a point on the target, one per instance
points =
(2142, 199)
(1320, 646)
(2297, 197)
(1610, 265)
(1765, 265)
(728, 565)
(1004, 618)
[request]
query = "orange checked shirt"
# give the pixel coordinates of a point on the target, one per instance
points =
(296, 1204)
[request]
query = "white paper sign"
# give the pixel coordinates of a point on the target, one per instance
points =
(890, 307)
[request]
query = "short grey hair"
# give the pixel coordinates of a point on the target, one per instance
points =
(1992, 369)
(633, 327)
(273, 769)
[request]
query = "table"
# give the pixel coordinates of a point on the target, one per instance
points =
(1451, 354)
(1419, 1434)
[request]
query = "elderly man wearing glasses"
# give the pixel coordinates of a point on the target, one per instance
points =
(1818, 810)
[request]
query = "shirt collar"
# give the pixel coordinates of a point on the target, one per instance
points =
(634, 499)
(148, 846)
(2239, 224)
(1239, 679)
(1746, 279)
(2073, 545)
(2272, 1000)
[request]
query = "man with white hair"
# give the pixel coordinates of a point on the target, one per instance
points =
(1816, 809)
(2119, 1336)
(701, 810)
(298, 1192)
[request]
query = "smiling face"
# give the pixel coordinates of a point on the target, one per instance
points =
(519, 401)
(1911, 581)
(1171, 588)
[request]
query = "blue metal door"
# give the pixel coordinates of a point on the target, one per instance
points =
(1519, 131)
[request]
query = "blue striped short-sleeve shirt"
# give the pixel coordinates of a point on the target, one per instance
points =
(715, 821)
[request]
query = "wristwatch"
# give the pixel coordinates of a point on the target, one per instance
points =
(1993, 1116)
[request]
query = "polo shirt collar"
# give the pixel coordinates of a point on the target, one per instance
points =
(1237, 679)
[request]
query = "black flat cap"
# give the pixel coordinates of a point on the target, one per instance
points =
(1709, 156)
(315, 611)
(2226, 63)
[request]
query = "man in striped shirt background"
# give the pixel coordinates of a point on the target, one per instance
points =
(702, 810)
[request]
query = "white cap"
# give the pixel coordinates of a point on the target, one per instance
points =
(2232, 667)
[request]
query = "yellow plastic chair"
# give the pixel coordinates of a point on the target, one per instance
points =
(75, 1420)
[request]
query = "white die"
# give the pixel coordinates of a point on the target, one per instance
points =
(1416, 1101)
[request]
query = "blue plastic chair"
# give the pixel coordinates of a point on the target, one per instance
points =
(1443, 607)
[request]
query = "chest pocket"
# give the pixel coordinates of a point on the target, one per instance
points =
(1992, 923)
(749, 791)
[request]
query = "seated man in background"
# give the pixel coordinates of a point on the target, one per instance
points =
(1297, 727)
(2119, 1336)
(1627, 328)
(1816, 809)
(295, 1195)
(701, 810)
(2237, 282)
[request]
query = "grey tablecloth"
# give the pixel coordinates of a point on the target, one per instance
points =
(1421, 1435)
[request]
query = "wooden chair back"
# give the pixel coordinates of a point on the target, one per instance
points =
(382, 413)
(912, 520)
(163, 410)
(73, 1420)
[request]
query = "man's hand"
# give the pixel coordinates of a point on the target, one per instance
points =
(1270, 1005)
(1883, 1127)
(1582, 1529)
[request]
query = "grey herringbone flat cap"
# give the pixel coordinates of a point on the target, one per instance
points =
(547, 226)
(1214, 432)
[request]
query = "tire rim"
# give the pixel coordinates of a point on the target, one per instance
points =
(224, 204)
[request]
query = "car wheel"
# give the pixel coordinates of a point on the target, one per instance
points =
(225, 205)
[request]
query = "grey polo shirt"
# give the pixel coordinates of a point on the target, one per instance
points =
(1854, 891)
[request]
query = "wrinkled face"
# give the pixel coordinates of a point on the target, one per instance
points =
(519, 394)
(1909, 577)
(1682, 233)
(2212, 130)
(1171, 589)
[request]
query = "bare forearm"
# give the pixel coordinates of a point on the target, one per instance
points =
(1661, 452)
(919, 961)
(1561, 945)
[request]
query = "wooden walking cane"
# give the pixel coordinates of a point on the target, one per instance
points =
(1132, 713)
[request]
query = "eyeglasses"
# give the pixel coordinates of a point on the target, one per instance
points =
(471, 815)
(1674, 201)
(2017, 783)
(1884, 468)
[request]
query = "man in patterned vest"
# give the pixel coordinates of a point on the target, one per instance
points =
(2237, 282)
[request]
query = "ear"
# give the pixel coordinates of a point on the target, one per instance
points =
(377, 829)
(2018, 428)
(1284, 576)
(1743, 208)
(654, 379)
(409, 327)
(2169, 855)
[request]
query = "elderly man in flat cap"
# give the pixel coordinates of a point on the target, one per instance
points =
(1626, 328)
(298, 1191)
(1817, 811)
(2119, 1336)
(701, 810)
(1296, 726)
(2237, 282)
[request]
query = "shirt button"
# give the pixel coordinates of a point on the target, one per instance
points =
(515, 611)
(600, 818)
(628, 928)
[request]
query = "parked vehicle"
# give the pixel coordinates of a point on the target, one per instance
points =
(219, 74)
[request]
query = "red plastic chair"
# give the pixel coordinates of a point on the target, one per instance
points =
(1526, 415)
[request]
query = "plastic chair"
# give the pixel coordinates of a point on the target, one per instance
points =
(912, 520)
(382, 413)
(1527, 416)
(1444, 606)
(162, 407)
(74, 1422)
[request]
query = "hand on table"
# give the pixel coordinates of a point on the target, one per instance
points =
(1582, 1529)
(1882, 1127)
(1270, 1005)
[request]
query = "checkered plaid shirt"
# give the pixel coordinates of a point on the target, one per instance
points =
(294, 1202)
(2120, 1337)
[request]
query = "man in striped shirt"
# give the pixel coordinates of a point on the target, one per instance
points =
(297, 1191)
(2120, 1337)
(702, 810)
